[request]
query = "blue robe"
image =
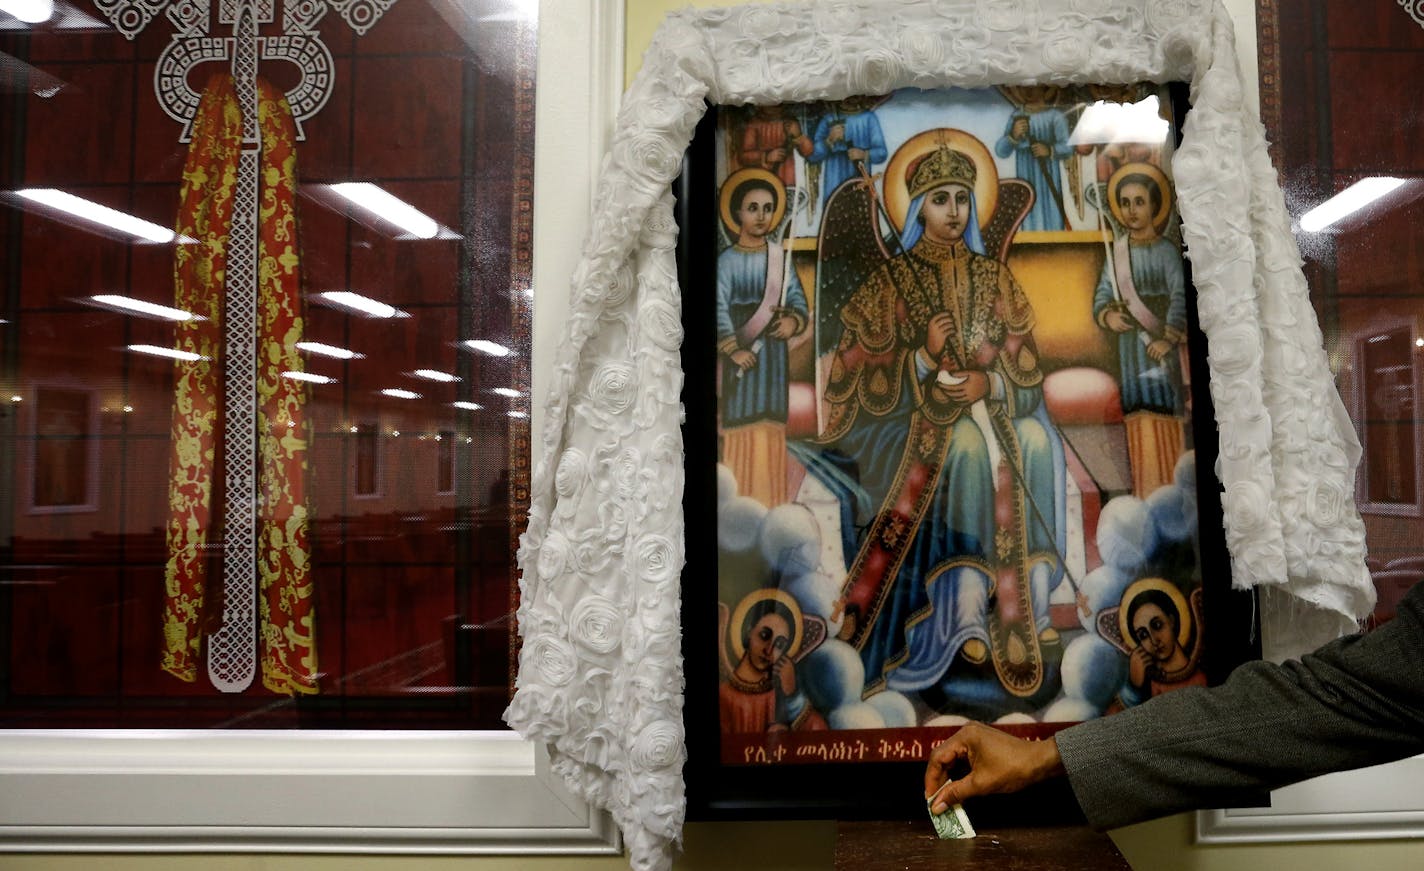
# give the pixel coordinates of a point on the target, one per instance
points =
(758, 394)
(1147, 385)
(862, 130)
(879, 390)
(1049, 127)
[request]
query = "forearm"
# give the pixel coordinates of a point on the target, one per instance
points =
(1357, 702)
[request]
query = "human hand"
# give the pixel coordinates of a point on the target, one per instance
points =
(775, 155)
(783, 327)
(857, 153)
(785, 671)
(937, 334)
(793, 129)
(1158, 349)
(1038, 149)
(972, 386)
(743, 359)
(1117, 321)
(836, 133)
(998, 762)
(1020, 129)
(1138, 666)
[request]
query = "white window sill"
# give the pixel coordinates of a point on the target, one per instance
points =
(343, 792)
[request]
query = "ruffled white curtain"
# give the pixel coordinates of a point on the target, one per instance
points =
(600, 674)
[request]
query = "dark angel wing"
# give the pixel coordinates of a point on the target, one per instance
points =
(848, 249)
(1015, 200)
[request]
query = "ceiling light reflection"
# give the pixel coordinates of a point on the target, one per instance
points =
(94, 213)
(29, 11)
(373, 308)
(308, 377)
(399, 393)
(467, 406)
(506, 391)
(387, 207)
(484, 346)
(170, 353)
(1104, 122)
(323, 350)
(435, 375)
(143, 307)
(1347, 202)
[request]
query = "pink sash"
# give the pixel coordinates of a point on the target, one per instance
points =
(1122, 266)
(770, 298)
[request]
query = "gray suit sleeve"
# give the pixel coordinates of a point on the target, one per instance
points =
(1355, 702)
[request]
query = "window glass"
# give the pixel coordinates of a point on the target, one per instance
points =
(1335, 96)
(264, 357)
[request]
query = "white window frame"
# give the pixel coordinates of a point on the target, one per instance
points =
(1383, 801)
(169, 791)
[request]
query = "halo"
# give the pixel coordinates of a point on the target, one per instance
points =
(1184, 614)
(1159, 220)
(746, 174)
(986, 176)
(734, 629)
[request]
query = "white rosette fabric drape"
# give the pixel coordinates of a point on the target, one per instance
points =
(600, 674)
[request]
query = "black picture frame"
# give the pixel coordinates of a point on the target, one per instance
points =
(868, 790)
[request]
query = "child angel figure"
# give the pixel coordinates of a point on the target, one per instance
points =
(1141, 298)
(760, 307)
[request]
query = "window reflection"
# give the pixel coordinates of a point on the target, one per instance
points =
(425, 137)
(1353, 180)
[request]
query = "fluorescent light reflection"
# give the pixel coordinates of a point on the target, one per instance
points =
(484, 346)
(518, 414)
(171, 353)
(324, 350)
(29, 11)
(94, 213)
(355, 302)
(400, 394)
(1347, 202)
(1104, 122)
(435, 375)
(308, 377)
(391, 209)
(505, 391)
(467, 406)
(142, 307)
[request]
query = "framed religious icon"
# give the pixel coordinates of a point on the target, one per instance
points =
(946, 404)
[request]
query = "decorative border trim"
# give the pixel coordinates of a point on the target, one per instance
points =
(1414, 9)
(1268, 49)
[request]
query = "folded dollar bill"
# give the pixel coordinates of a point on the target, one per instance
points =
(953, 823)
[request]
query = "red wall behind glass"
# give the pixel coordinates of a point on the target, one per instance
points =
(1340, 81)
(413, 584)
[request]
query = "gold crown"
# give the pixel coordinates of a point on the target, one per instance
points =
(941, 166)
